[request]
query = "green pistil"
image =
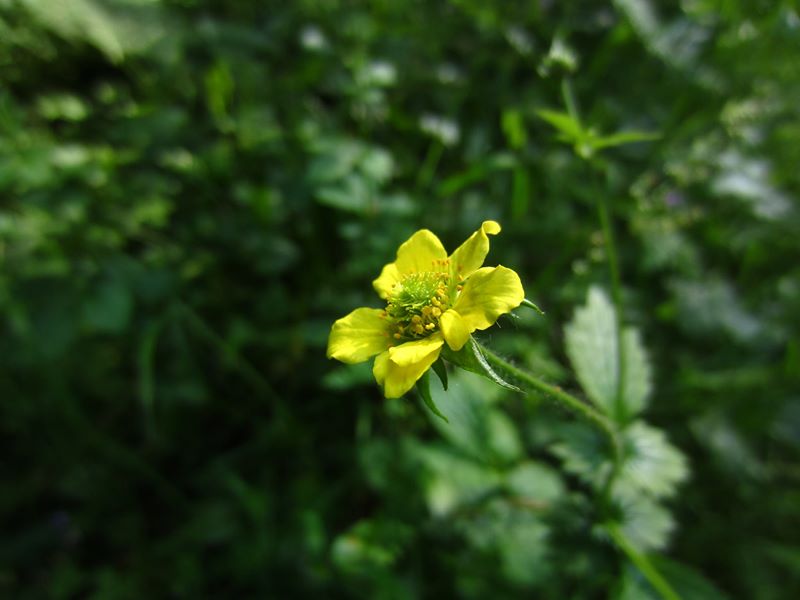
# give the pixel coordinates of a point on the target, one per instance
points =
(416, 304)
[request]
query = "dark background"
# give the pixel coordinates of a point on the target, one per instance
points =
(193, 191)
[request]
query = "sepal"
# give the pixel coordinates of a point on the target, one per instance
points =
(471, 358)
(424, 389)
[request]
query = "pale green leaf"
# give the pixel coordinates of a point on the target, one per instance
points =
(638, 379)
(115, 28)
(591, 342)
(535, 485)
(454, 481)
(645, 523)
(652, 465)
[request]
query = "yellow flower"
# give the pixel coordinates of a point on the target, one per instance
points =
(431, 299)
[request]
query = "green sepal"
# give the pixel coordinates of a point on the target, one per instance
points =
(530, 304)
(471, 358)
(424, 389)
(441, 370)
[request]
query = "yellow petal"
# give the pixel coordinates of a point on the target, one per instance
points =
(358, 336)
(488, 293)
(470, 255)
(454, 329)
(417, 254)
(413, 352)
(388, 278)
(396, 379)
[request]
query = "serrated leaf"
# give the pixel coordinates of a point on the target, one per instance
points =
(523, 550)
(116, 29)
(471, 358)
(584, 452)
(638, 379)
(424, 389)
(591, 343)
(645, 523)
(475, 426)
(652, 465)
(535, 483)
(454, 480)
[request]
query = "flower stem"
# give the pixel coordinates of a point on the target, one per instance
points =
(642, 563)
(568, 401)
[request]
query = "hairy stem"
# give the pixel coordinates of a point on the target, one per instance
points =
(568, 401)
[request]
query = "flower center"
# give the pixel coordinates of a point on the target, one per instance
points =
(417, 302)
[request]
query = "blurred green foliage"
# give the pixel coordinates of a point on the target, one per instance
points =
(193, 190)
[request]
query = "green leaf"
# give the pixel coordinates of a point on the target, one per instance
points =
(645, 523)
(584, 452)
(638, 378)
(523, 549)
(453, 480)
(688, 583)
(476, 427)
(622, 138)
(370, 544)
(591, 343)
(514, 128)
(116, 29)
(109, 307)
(471, 359)
(565, 123)
(424, 389)
(536, 484)
(350, 194)
(652, 465)
(441, 371)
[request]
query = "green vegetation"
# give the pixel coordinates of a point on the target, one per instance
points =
(192, 191)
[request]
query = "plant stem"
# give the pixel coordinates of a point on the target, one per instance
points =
(568, 401)
(642, 563)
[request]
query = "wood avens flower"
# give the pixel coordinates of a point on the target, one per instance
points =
(431, 299)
